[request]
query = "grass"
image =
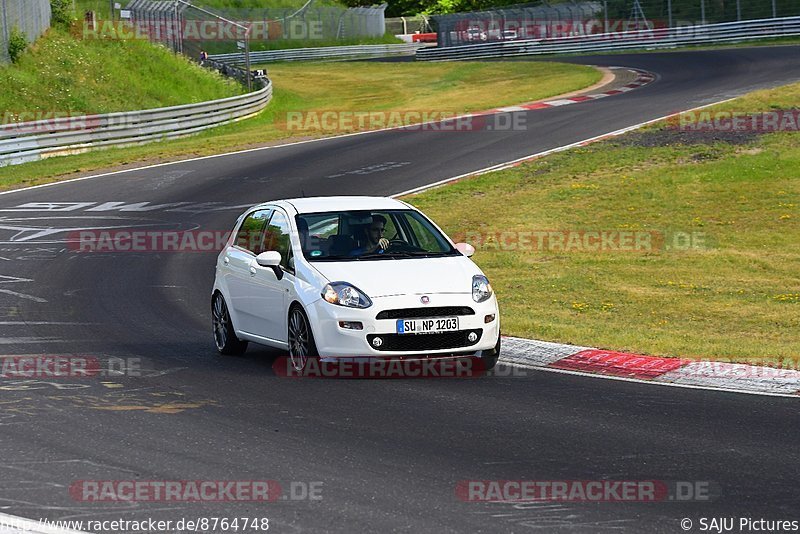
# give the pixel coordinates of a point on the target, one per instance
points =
(735, 297)
(66, 75)
(381, 86)
(328, 86)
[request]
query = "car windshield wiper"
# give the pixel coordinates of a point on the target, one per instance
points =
(334, 258)
(379, 255)
(428, 254)
(389, 254)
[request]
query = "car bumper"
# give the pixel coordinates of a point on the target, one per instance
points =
(333, 340)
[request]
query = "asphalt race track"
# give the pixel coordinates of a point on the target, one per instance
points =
(389, 453)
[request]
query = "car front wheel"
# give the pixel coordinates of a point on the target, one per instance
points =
(301, 339)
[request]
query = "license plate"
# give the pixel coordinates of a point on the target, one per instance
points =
(427, 326)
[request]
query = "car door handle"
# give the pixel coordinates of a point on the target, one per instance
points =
(252, 271)
(226, 260)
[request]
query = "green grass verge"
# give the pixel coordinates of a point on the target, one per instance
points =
(66, 75)
(454, 87)
(736, 297)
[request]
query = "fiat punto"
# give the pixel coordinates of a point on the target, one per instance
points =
(343, 277)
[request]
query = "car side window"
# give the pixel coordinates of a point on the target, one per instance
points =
(391, 231)
(277, 237)
(251, 233)
(422, 234)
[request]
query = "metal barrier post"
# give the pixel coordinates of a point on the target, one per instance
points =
(669, 13)
(247, 58)
(6, 35)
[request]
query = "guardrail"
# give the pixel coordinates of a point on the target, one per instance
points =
(323, 53)
(31, 141)
(648, 39)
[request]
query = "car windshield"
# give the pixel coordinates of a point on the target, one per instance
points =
(370, 235)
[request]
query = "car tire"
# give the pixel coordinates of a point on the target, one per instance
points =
(224, 334)
(301, 339)
(489, 358)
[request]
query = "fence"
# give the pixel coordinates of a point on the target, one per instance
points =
(671, 13)
(406, 25)
(548, 21)
(30, 16)
(161, 20)
(467, 28)
(324, 53)
(190, 29)
(649, 39)
(31, 141)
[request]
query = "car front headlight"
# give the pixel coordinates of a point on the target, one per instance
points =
(481, 288)
(344, 294)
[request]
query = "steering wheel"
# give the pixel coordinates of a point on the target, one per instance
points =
(397, 242)
(401, 245)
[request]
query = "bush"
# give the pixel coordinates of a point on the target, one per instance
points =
(17, 43)
(61, 13)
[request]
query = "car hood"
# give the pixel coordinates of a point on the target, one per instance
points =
(382, 278)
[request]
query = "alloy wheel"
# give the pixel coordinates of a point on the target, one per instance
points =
(220, 319)
(298, 340)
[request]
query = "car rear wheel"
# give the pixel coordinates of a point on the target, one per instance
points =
(301, 339)
(224, 334)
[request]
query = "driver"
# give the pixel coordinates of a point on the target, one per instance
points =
(373, 240)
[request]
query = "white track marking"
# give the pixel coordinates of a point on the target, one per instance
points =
(23, 295)
(27, 323)
(238, 152)
(506, 165)
(640, 381)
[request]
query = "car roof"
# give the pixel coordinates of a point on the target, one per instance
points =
(341, 203)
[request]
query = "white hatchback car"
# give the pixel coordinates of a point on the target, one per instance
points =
(351, 277)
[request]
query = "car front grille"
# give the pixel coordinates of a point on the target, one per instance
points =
(415, 313)
(416, 342)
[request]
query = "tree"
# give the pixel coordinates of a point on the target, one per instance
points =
(61, 13)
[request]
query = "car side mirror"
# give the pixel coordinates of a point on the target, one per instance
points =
(272, 260)
(466, 249)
